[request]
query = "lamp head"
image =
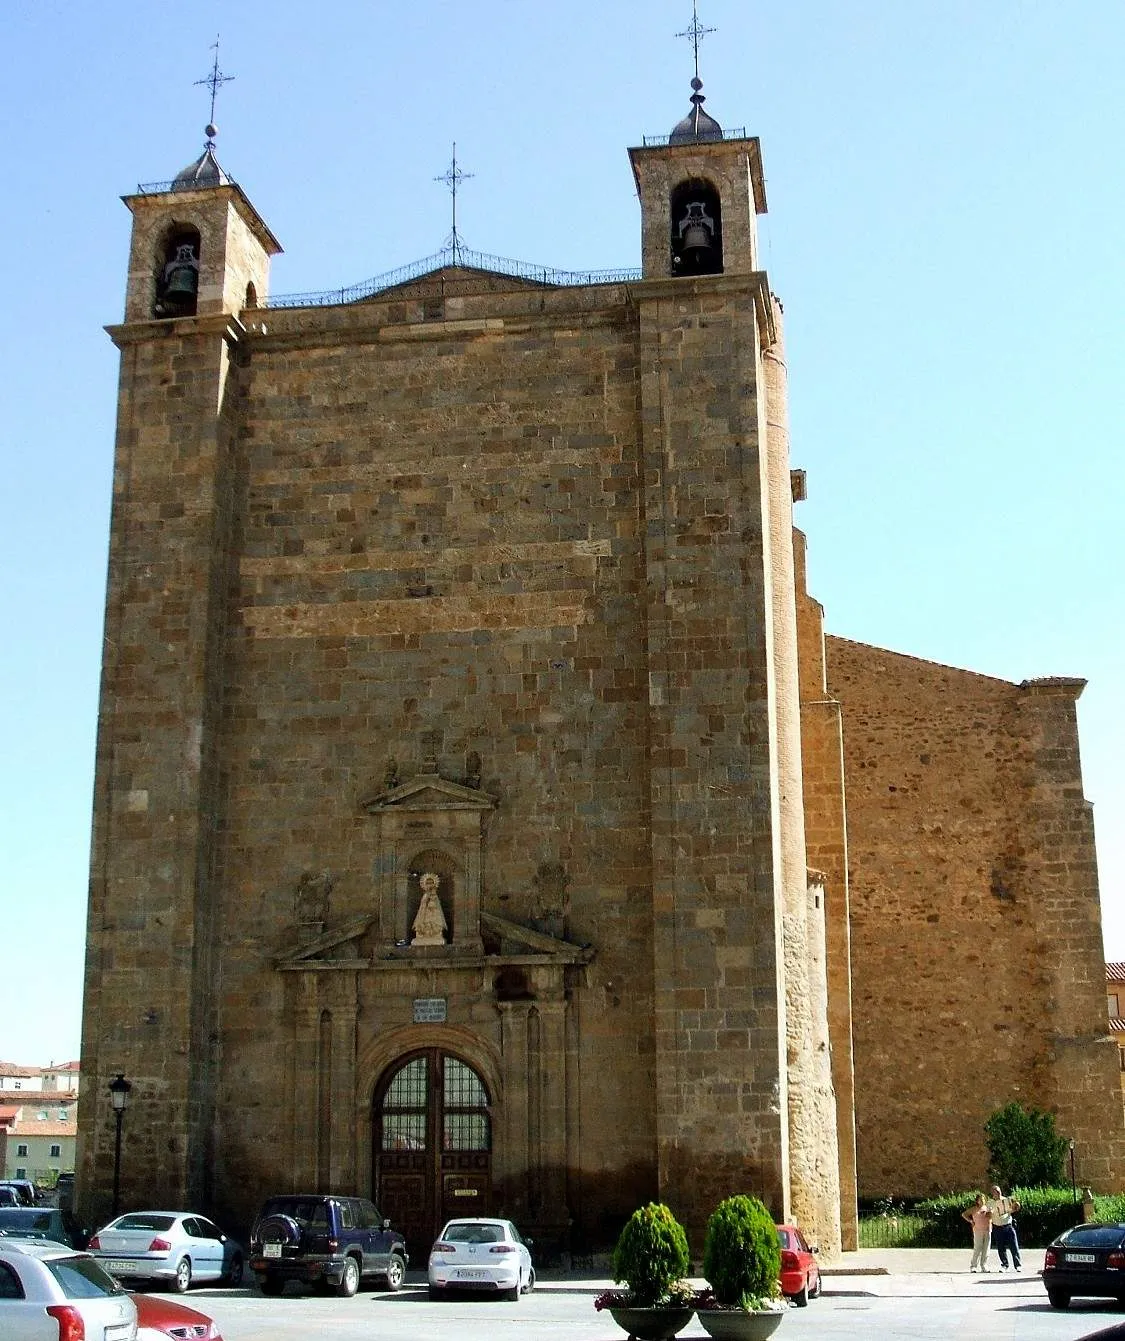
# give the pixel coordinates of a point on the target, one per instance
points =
(119, 1090)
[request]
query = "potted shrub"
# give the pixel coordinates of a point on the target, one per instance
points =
(742, 1264)
(651, 1258)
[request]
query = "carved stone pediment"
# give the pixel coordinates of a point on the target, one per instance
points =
(430, 824)
(339, 949)
(519, 937)
(428, 792)
(335, 949)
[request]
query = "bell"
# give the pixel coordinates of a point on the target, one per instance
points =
(697, 236)
(182, 285)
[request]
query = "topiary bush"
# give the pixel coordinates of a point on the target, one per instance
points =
(742, 1255)
(651, 1254)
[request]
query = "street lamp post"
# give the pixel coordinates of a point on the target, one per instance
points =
(1073, 1186)
(119, 1090)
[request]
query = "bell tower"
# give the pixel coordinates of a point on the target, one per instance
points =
(200, 254)
(701, 189)
(199, 246)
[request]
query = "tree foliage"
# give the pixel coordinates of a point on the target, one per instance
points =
(1023, 1148)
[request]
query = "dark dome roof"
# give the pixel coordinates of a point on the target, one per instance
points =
(205, 171)
(697, 125)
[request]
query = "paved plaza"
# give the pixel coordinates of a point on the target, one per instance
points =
(886, 1295)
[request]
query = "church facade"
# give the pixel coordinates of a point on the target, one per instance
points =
(484, 821)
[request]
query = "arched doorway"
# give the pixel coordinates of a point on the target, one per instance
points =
(432, 1159)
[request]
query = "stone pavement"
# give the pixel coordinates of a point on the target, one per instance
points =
(924, 1261)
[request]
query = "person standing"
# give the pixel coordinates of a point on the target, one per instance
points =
(980, 1217)
(1004, 1228)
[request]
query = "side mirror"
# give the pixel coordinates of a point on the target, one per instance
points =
(386, 1224)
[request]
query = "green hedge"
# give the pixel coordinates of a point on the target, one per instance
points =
(936, 1222)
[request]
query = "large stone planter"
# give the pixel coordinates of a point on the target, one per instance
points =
(738, 1325)
(651, 1324)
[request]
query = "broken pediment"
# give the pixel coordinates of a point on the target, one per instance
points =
(336, 949)
(515, 938)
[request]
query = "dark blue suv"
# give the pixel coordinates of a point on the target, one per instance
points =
(326, 1241)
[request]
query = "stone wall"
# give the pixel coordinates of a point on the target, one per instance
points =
(975, 925)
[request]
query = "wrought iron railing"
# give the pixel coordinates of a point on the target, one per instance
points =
(462, 258)
(657, 141)
(162, 188)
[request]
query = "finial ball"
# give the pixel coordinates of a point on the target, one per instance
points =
(697, 83)
(210, 130)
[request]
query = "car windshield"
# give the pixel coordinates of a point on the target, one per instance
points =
(473, 1234)
(303, 1210)
(144, 1222)
(26, 1221)
(1094, 1236)
(80, 1277)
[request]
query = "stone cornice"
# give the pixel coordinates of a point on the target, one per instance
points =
(137, 332)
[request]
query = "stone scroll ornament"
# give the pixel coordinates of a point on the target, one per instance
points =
(429, 922)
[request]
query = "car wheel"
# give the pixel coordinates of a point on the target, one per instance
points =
(349, 1281)
(1059, 1298)
(235, 1270)
(511, 1295)
(182, 1280)
(814, 1293)
(527, 1289)
(272, 1284)
(801, 1298)
(396, 1272)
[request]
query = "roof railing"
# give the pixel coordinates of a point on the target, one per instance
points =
(463, 259)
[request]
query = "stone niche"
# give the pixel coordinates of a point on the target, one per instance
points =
(429, 824)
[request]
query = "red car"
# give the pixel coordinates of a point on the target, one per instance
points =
(800, 1275)
(159, 1317)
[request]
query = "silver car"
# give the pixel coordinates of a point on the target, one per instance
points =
(48, 1292)
(169, 1247)
(481, 1254)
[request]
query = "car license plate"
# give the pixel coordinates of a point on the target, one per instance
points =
(1081, 1257)
(271, 1249)
(471, 1273)
(116, 1268)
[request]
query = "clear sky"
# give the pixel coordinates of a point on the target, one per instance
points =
(946, 203)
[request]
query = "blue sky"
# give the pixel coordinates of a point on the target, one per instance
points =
(945, 211)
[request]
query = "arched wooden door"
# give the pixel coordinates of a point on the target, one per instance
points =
(433, 1145)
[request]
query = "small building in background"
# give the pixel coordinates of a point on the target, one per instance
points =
(38, 1121)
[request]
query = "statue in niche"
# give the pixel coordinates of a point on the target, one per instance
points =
(429, 922)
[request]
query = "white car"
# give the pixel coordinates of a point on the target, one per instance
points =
(169, 1247)
(52, 1293)
(481, 1254)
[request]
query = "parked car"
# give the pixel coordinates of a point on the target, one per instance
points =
(1086, 1260)
(171, 1247)
(24, 1188)
(159, 1317)
(481, 1254)
(800, 1274)
(330, 1242)
(34, 1222)
(38, 1278)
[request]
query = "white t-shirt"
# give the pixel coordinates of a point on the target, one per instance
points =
(1001, 1208)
